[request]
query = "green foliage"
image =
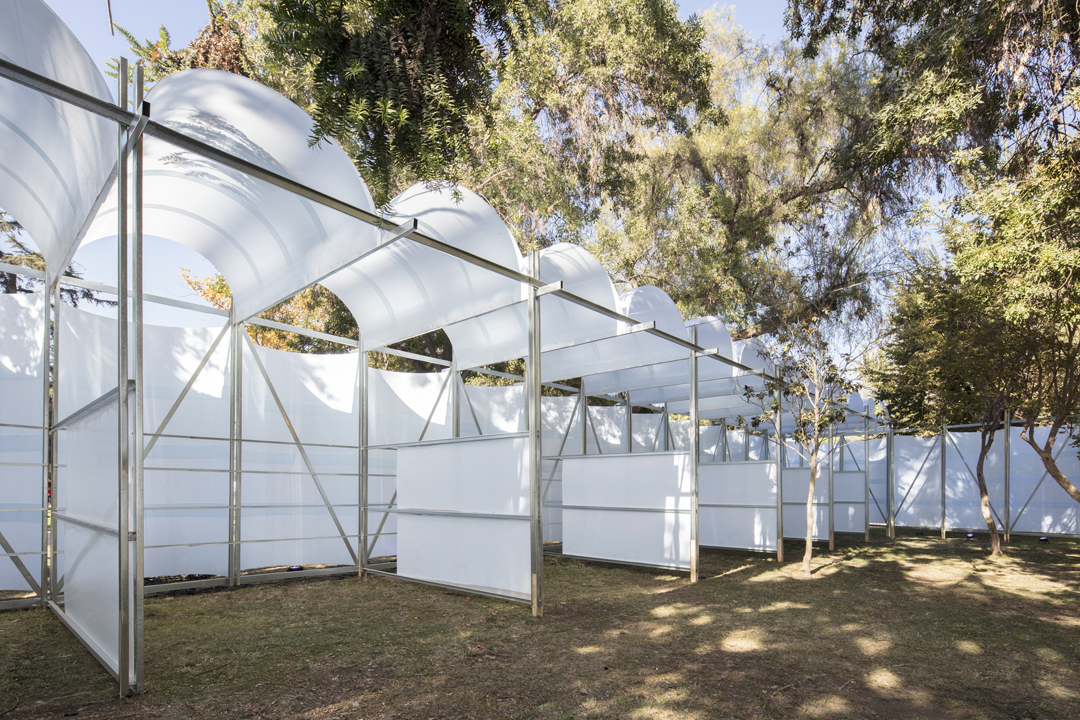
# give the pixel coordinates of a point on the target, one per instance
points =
(399, 78)
(760, 213)
(19, 253)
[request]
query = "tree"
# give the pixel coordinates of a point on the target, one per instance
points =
(19, 253)
(952, 357)
(762, 200)
(813, 385)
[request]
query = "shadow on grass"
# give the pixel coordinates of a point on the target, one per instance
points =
(906, 628)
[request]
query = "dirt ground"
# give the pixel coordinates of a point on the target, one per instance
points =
(913, 628)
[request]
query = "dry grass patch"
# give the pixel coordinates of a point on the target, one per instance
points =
(911, 628)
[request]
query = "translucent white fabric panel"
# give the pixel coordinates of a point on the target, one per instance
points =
(879, 469)
(500, 409)
(606, 428)
(849, 486)
(486, 554)
(91, 564)
(796, 485)
(171, 356)
(298, 489)
(657, 484)
(474, 475)
(1042, 507)
(738, 445)
(659, 538)
(795, 521)
(87, 358)
(400, 403)
(177, 454)
(193, 530)
(54, 157)
(629, 349)
(22, 330)
(407, 289)
(648, 435)
(561, 426)
(711, 334)
(849, 517)
(738, 528)
(963, 504)
(551, 496)
(680, 435)
(259, 457)
(917, 475)
(854, 454)
(283, 553)
(318, 392)
(656, 481)
(503, 334)
(21, 448)
(737, 505)
(752, 483)
(382, 533)
(267, 242)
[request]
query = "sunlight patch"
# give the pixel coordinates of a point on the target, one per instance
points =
(872, 647)
(748, 640)
(588, 649)
(968, 646)
(784, 605)
(827, 706)
(883, 679)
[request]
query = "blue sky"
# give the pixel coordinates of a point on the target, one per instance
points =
(89, 20)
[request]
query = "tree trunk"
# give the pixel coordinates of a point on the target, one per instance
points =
(986, 442)
(815, 466)
(1049, 463)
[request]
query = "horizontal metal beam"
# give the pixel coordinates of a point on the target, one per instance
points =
(92, 406)
(20, 270)
(158, 299)
(274, 325)
(412, 356)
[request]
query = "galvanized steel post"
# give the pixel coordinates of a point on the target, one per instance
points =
(532, 389)
(1008, 473)
(780, 455)
(944, 435)
(362, 382)
(123, 427)
(138, 444)
(695, 452)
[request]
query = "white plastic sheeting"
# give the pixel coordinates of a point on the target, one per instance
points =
(737, 505)
(628, 508)
(55, 158)
(88, 554)
(22, 330)
(267, 242)
(479, 538)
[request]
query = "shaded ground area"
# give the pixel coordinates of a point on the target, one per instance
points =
(912, 628)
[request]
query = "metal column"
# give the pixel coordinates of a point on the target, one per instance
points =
(53, 440)
(362, 382)
(455, 399)
(46, 465)
(831, 455)
(1008, 472)
(236, 447)
(123, 428)
(532, 389)
(138, 444)
(781, 453)
(944, 433)
(890, 474)
(629, 424)
(695, 459)
(583, 417)
(866, 475)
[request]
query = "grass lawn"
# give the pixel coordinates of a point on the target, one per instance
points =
(909, 628)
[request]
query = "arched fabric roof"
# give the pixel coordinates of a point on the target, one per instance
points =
(627, 349)
(407, 289)
(504, 333)
(56, 157)
(711, 334)
(267, 242)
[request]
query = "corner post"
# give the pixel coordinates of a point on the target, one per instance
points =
(890, 478)
(236, 414)
(866, 476)
(583, 417)
(123, 429)
(944, 452)
(1008, 473)
(781, 453)
(831, 455)
(695, 459)
(532, 389)
(138, 442)
(362, 382)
